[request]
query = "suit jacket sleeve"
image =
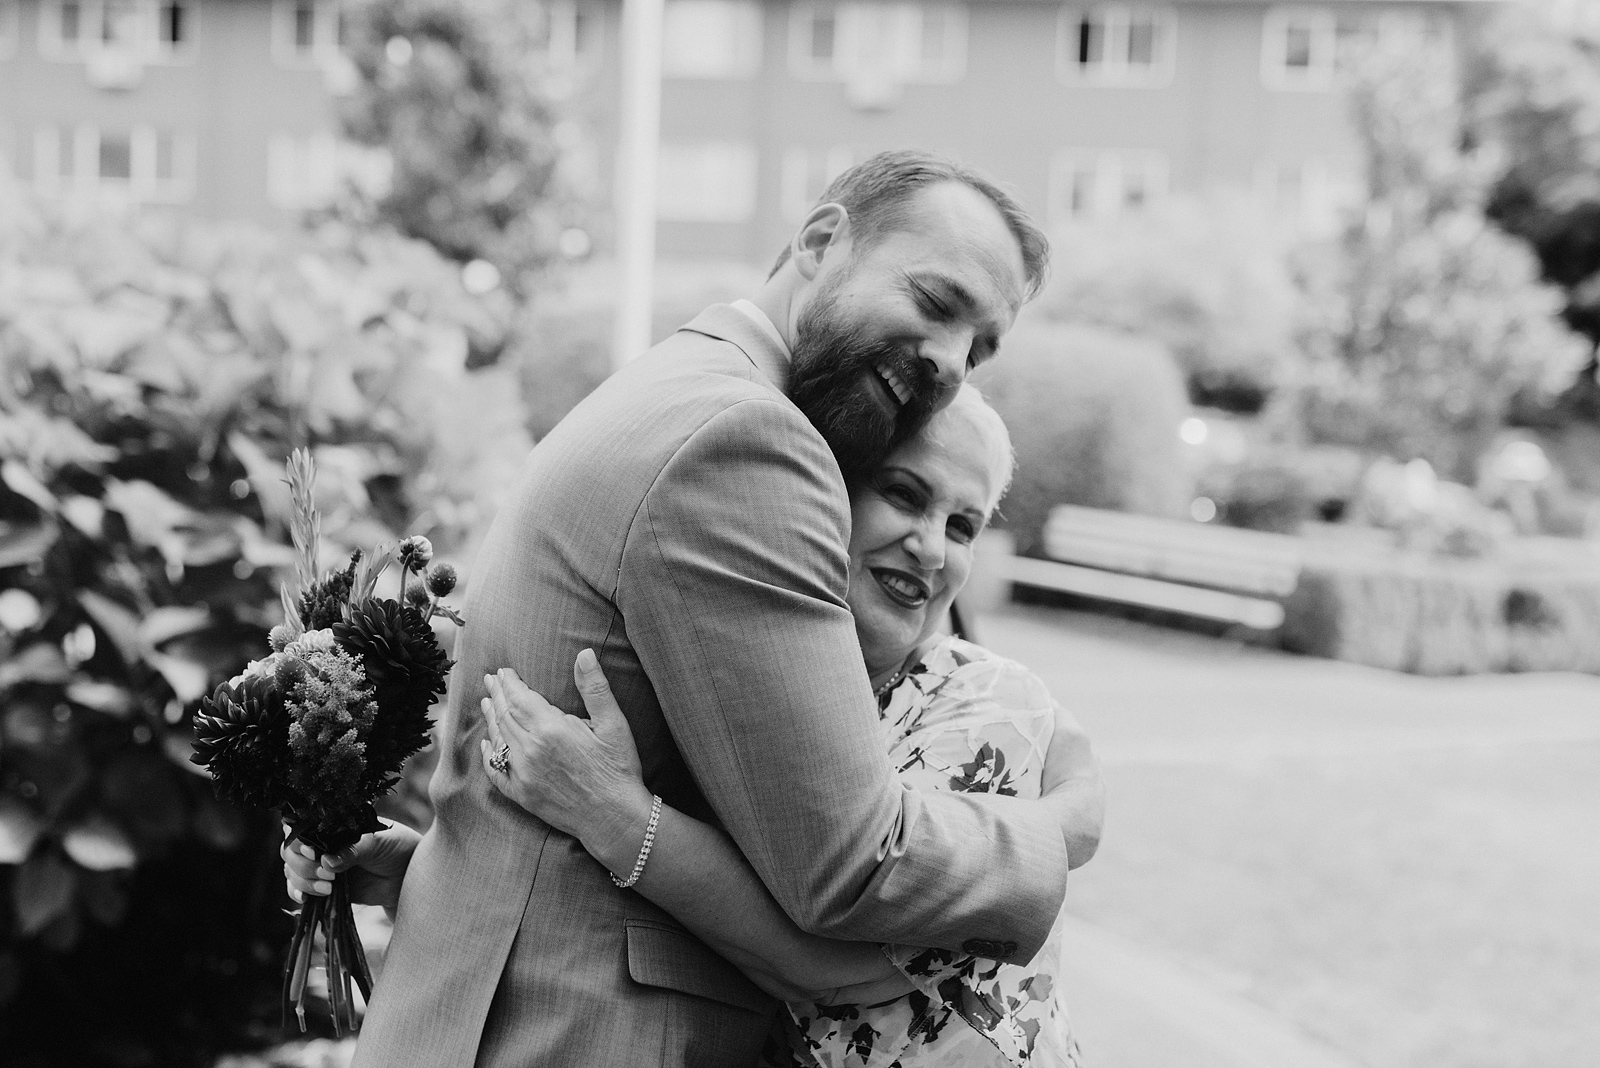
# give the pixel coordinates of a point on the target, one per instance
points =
(732, 588)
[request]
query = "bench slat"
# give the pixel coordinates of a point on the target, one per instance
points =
(1149, 593)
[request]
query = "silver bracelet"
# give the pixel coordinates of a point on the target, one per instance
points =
(644, 850)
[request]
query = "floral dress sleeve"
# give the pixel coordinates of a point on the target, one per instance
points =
(973, 722)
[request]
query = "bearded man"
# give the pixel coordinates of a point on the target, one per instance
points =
(689, 522)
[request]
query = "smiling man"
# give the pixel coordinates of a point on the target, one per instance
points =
(689, 521)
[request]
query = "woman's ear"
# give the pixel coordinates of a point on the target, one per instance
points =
(825, 234)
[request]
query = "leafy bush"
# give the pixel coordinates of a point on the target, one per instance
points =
(1279, 486)
(1094, 417)
(1208, 278)
(1433, 616)
(152, 379)
(1427, 321)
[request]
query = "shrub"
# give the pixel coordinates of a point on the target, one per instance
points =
(1433, 616)
(1094, 416)
(153, 379)
(1207, 278)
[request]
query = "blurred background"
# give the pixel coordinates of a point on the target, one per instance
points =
(1306, 526)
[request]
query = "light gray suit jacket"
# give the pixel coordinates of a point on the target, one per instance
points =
(688, 523)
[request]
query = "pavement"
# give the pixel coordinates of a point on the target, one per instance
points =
(1167, 708)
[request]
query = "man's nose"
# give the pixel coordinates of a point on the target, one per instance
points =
(946, 361)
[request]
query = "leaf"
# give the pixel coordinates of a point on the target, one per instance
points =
(265, 476)
(99, 845)
(151, 513)
(22, 482)
(105, 697)
(119, 624)
(171, 621)
(450, 614)
(218, 826)
(39, 662)
(19, 830)
(42, 891)
(25, 545)
(189, 681)
(85, 513)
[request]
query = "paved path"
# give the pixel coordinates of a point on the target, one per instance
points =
(1182, 721)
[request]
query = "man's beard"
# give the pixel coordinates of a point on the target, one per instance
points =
(833, 378)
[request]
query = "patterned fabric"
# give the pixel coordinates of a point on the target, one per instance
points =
(968, 721)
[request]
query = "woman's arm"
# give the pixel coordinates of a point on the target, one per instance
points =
(583, 779)
(1073, 790)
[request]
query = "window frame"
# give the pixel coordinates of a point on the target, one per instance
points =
(1116, 71)
(731, 210)
(563, 51)
(325, 49)
(147, 48)
(844, 66)
(1110, 169)
(795, 198)
(142, 186)
(1321, 73)
(748, 39)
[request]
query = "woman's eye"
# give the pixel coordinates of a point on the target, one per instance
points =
(901, 495)
(962, 529)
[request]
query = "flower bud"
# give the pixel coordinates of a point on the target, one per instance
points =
(416, 552)
(441, 580)
(289, 671)
(278, 637)
(416, 597)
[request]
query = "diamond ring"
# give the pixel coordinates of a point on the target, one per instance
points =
(501, 761)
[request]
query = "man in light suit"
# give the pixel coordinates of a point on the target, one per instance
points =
(689, 522)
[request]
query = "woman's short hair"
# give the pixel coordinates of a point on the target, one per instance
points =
(874, 193)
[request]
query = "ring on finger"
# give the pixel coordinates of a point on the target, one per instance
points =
(501, 761)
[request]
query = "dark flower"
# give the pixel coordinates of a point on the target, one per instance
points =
(241, 733)
(441, 580)
(407, 669)
(323, 604)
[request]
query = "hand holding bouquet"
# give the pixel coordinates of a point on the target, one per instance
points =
(320, 728)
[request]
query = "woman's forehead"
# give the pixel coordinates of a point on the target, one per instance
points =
(956, 455)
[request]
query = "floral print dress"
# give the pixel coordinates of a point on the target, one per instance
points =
(966, 720)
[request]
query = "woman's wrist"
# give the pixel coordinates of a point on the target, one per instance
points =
(617, 832)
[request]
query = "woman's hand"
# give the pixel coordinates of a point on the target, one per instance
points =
(375, 866)
(582, 777)
(1072, 786)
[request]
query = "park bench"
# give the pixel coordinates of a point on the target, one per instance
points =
(1212, 572)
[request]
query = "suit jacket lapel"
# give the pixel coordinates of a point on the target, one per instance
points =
(727, 323)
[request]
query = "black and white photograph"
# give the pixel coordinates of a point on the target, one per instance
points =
(799, 533)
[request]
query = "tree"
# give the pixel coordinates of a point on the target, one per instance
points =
(1428, 320)
(1534, 96)
(447, 91)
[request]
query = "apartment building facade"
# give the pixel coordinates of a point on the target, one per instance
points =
(226, 108)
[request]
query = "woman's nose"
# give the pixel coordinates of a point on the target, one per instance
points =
(926, 546)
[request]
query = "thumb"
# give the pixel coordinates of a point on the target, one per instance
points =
(604, 712)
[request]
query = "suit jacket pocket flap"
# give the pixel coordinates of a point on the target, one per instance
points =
(672, 958)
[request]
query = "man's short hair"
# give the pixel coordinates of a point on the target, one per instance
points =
(874, 193)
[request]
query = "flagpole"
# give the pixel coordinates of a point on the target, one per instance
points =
(636, 177)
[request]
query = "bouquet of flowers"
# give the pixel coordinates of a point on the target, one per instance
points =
(321, 727)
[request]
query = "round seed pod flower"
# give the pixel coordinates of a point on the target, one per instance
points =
(278, 637)
(417, 597)
(441, 580)
(416, 552)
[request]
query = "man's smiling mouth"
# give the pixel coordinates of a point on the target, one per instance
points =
(905, 590)
(896, 384)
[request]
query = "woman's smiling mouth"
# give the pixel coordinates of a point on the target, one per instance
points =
(903, 589)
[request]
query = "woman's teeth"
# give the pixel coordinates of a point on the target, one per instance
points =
(900, 390)
(901, 589)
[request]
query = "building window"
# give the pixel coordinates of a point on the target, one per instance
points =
(306, 32)
(806, 174)
(573, 34)
(711, 39)
(1089, 183)
(1116, 45)
(8, 27)
(140, 30)
(1311, 48)
(1309, 195)
(142, 165)
(713, 181)
(895, 42)
(302, 172)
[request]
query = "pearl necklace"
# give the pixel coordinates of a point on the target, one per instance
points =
(894, 680)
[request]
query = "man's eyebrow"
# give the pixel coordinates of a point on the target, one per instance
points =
(949, 288)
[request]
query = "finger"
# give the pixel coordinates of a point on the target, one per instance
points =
(306, 885)
(524, 706)
(598, 699)
(486, 753)
(491, 717)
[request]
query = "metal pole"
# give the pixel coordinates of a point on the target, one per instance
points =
(636, 176)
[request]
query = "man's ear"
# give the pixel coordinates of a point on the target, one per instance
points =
(825, 233)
